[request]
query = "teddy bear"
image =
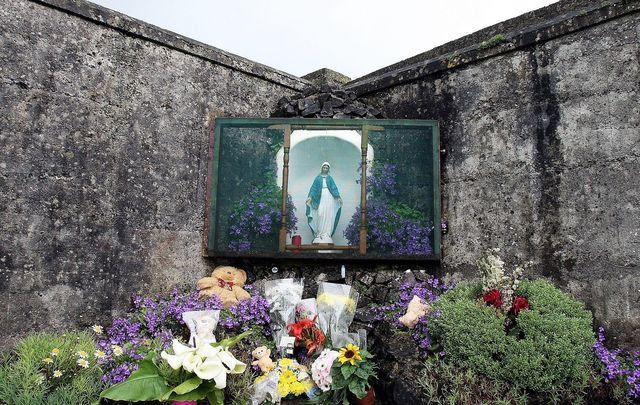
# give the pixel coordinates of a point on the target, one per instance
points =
(263, 360)
(226, 283)
(415, 310)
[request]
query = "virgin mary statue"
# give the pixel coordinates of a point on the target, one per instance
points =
(323, 206)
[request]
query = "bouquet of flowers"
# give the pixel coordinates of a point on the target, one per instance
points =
(188, 374)
(498, 288)
(336, 308)
(292, 378)
(350, 375)
(282, 296)
(307, 335)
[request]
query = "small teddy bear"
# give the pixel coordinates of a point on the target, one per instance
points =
(263, 360)
(226, 282)
(415, 310)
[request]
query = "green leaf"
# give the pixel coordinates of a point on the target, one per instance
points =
(202, 392)
(363, 373)
(337, 379)
(184, 388)
(232, 341)
(347, 371)
(216, 397)
(144, 384)
(357, 387)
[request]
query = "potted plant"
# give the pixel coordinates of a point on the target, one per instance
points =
(351, 375)
(187, 375)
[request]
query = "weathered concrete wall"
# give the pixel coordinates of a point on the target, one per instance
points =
(103, 130)
(104, 138)
(542, 139)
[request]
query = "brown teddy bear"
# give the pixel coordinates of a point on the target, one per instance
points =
(263, 359)
(226, 282)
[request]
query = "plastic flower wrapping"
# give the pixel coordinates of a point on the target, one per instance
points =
(201, 324)
(282, 295)
(336, 308)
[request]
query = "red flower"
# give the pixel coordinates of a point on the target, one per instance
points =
(493, 297)
(307, 334)
(519, 303)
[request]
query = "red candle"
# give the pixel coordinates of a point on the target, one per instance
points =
(296, 240)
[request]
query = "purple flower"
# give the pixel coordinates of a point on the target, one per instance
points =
(256, 218)
(392, 227)
(429, 291)
(619, 365)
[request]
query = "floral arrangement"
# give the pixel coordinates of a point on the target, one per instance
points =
(321, 369)
(154, 322)
(619, 366)
(497, 327)
(293, 379)
(193, 373)
(351, 374)
(498, 287)
(256, 218)
(393, 227)
(307, 334)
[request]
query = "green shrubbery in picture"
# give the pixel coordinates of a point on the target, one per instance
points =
(546, 350)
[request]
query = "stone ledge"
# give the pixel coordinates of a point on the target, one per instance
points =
(140, 29)
(432, 62)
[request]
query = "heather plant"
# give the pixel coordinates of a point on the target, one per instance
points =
(154, 321)
(547, 351)
(392, 226)
(255, 220)
(50, 368)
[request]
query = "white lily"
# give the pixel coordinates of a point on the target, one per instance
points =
(206, 361)
(212, 369)
(191, 361)
(180, 353)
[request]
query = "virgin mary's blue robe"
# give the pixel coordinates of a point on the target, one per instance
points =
(315, 192)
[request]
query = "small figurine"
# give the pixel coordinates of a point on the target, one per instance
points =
(263, 360)
(226, 282)
(415, 310)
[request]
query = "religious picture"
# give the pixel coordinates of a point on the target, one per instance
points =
(324, 189)
(324, 173)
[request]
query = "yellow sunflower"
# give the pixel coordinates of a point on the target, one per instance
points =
(350, 353)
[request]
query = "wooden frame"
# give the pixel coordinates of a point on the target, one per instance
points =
(286, 127)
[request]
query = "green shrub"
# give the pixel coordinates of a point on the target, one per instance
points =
(443, 383)
(26, 378)
(547, 352)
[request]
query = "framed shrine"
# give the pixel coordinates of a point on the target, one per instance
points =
(324, 188)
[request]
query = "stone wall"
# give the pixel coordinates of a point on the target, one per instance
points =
(104, 137)
(541, 129)
(104, 132)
